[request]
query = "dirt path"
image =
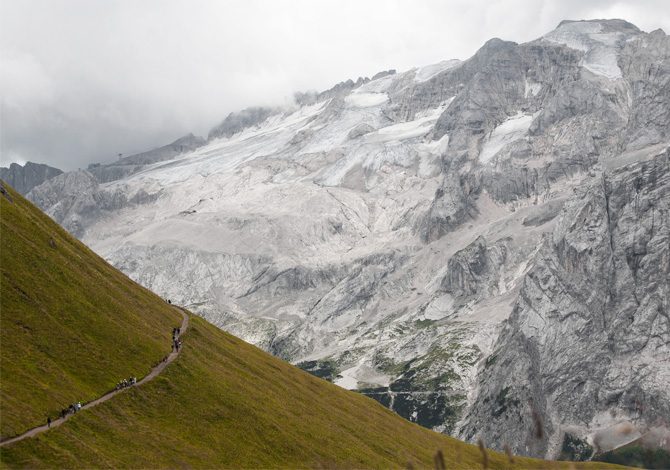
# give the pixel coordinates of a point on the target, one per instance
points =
(153, 373)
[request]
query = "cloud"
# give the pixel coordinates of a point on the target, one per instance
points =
(82, 81)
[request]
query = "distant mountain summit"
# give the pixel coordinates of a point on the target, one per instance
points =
(26, 177)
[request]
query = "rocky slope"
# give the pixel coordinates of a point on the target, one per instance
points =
(586, 345)
(26, 177)
(400, 235)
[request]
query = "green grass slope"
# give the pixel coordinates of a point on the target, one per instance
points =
(225, 403)
(71, 325)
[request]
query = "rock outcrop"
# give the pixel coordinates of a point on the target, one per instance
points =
(588, 340)
(26, 177)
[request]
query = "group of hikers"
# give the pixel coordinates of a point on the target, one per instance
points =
(176, 342)
(70, 410)
(124, 383)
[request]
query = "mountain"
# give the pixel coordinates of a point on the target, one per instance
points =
(126, 166)
(26, 177)
(72, 326)
(480, 245)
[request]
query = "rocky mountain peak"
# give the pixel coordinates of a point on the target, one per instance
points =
(238, 121)
(607, 25)
(23, 178)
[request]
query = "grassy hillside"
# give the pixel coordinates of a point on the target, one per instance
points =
(222, 403)
(70, 325)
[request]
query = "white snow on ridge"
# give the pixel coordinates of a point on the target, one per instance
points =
(514, 128)
(600, 49)
(429, 71)
(576, 35)
(379, 85)
(383, 146)
(366, 100)
(406, 130)
(602, 61)
(225, 154)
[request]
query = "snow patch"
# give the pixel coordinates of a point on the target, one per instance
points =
(531, 88)
(347, 379)
(512, 129)
(361, 372)
(429, 71)
(600, 49)
(379, 85)
(576, 35)
(406, 130)
(366, 100)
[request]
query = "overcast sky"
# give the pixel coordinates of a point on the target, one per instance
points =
(81, 81)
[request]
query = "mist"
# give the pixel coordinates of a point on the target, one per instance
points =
(83, 81)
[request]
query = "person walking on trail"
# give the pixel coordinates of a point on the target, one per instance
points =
(48, 421)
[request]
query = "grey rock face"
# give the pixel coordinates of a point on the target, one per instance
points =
(236, 122)
(474, 269)
(360, 130)
(24, 178)
(645, 66)
(75, 199)
(590, 331)
(454, 203)
(578, 117)
(384, 73)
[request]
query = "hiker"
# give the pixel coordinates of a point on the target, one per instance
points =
(78, 406)
(63, 412)
(169, 301)
(48, 421)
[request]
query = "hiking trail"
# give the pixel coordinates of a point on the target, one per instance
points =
(155, 371)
